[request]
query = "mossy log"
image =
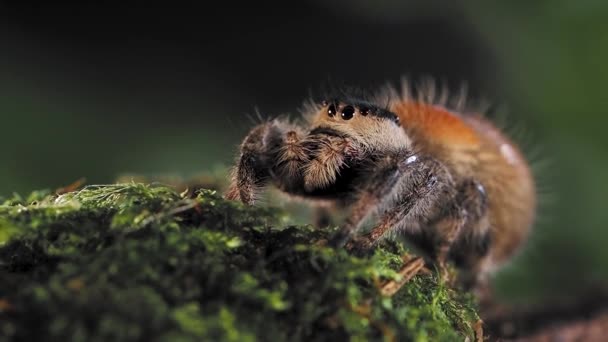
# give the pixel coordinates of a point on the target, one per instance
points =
(144, 262)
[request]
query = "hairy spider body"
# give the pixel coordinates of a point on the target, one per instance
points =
(449, 181)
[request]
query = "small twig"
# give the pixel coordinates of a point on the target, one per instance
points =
(407, 272)
(478, 327)
(172, 212)
(77, 184)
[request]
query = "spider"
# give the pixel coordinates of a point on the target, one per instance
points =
(450, 182)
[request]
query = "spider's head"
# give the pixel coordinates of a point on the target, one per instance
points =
(361, 121)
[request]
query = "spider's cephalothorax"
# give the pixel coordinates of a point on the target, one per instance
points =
(452, 183)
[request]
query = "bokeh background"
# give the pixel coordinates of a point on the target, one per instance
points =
(98, 90)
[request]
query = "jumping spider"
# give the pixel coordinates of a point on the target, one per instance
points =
(449, 181)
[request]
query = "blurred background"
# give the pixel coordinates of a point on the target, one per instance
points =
(98, 90)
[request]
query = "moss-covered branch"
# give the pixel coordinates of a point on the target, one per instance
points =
(139, 262)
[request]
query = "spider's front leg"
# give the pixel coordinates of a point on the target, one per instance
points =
(272, 146)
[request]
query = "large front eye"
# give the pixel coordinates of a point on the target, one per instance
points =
(348, 112)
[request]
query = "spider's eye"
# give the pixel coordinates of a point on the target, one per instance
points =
(348, 112)
(331, 110)
(364, 111)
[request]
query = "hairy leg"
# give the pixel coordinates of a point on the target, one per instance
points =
(447, 229)
(424, 188)
(420, 191)
(261, 148)
(466, 210)
(471, 247)
(388, 172)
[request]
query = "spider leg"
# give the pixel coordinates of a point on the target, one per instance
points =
(446, 232)
(388, 173)
(471, 249)
(465, 210)
(421, 190)
(264, 144)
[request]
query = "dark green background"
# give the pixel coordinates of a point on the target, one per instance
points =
(100, 90)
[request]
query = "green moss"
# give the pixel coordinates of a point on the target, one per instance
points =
(141, 262)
